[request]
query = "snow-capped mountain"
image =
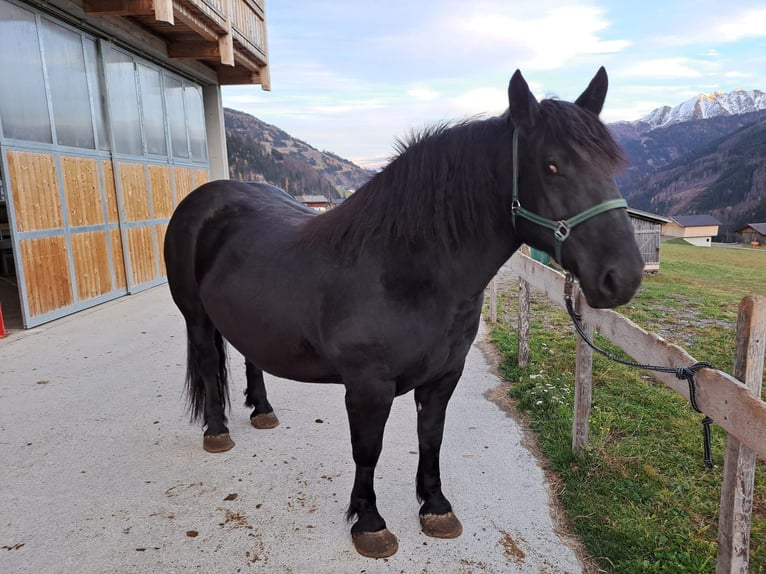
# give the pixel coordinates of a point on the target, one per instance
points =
(705, 156)
(707, 106)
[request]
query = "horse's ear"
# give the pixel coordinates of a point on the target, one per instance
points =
(592, 99)
(521, 103)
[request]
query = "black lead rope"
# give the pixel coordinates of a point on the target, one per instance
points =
(680, 373)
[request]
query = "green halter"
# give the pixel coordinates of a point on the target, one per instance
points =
(562, 228)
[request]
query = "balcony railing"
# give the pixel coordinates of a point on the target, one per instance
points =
(228, 35)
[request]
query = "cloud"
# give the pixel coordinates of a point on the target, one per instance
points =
(484, 36)
(549, 41)
(423, 94)
(735, 74)
(665, 68)
(718, 26)
(308, 76)
(340, 105)
(481, 100)
(745, 25)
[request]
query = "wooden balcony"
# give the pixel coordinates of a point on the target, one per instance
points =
(228, 36)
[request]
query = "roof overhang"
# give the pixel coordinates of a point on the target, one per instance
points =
(215, 41)
(648, 216)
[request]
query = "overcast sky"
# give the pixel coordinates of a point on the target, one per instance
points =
(350, 76)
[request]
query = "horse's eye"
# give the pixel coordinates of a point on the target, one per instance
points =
(553, 168)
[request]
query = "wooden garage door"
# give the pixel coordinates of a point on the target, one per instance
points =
(148, 195)
(66, 257)
(86, 229)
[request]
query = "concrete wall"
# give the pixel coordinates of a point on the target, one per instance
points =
(699, 241)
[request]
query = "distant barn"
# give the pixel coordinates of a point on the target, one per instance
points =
(753, 233)
(648, 231)
(698, 230)
(316, 202)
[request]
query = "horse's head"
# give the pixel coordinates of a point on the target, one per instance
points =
(565, 200)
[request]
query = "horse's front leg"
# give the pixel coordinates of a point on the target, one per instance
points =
(263, 416)
(436, 516)
(368, 404)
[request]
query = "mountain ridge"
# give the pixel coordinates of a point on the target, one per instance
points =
(714, 165)
(705, 106)
(259, 151)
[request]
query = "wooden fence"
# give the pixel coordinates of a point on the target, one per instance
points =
(733, 402)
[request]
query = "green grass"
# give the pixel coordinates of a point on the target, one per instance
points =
(640, 498)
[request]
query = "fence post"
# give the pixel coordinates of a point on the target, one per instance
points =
(523, 323)
(583, 390)
(739, 460)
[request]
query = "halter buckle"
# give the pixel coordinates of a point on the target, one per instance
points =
(515, 204)
(568, 285)
(562, 231)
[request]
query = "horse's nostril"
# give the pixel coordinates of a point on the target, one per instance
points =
(610, 284)
(618, 286)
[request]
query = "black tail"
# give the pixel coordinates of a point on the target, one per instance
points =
(195, 384)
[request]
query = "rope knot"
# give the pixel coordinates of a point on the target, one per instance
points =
(684, 373)
(689, 372)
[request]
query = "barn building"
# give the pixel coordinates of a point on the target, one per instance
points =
(698, 230)
(647, 228)
(752, 233)
(110, 113)
(316, 202)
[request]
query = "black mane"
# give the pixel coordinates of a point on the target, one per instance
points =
(448, 183)
(442, 186)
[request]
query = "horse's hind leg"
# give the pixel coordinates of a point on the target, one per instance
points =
(263, 416)
(206, 382)
(436, 516)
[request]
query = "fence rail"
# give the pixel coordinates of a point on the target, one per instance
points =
(733, 402)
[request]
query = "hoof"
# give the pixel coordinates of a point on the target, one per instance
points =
(380, 544)
(217, 442)
(441, 525)
(265, 421)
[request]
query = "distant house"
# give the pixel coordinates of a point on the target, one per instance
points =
(317, 202)
(752, 233)
(648, 230)
(698, 230)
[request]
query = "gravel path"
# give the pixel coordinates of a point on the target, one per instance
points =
(102, 473)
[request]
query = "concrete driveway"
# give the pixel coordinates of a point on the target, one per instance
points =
(101, 472)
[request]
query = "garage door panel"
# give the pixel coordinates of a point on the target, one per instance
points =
(201, 176)
(133, 185)
(161, 229)
(82, 191)
(183, 182)
(34, 185)
(110, 192)
(118, 256)
(142, 258)
(90, 253)
(162, 192)
(46, 274)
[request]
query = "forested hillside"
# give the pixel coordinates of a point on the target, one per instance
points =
(262, 152)
(715, 166)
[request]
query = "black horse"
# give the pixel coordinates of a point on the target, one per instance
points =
(384, 293)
